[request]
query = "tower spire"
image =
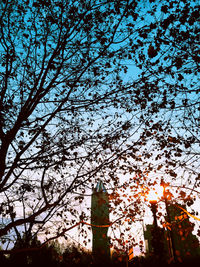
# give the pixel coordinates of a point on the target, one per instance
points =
(100, 187)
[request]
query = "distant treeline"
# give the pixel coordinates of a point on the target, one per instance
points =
(74, 257)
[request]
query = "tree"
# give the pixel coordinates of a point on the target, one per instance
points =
(61, 87)
(166, 49)
(70, 113)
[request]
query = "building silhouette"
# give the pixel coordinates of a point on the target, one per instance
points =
(100, 223)
(185, 242)
(150, 243)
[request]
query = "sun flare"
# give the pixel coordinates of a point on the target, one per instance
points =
(155, 194)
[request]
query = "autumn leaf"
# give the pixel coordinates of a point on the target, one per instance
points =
(152, 52)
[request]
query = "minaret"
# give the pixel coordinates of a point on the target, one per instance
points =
(100, 217)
